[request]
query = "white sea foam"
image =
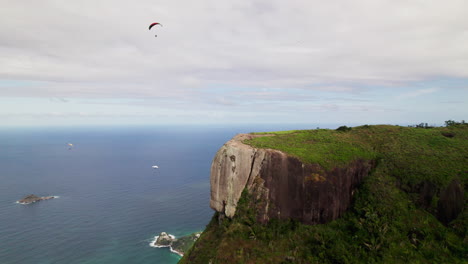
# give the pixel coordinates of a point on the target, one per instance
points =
(153, 244)
(175, 251)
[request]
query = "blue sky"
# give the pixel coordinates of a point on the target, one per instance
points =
(238, 62)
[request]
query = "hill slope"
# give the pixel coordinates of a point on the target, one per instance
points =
(410, 208)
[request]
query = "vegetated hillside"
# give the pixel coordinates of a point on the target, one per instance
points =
(411, 208)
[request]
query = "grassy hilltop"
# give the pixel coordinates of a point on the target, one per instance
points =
(401, 213)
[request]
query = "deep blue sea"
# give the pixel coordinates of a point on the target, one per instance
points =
(111, 202)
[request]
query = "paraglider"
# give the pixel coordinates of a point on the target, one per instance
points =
(154, 24)
(70, 146)
(155, 167)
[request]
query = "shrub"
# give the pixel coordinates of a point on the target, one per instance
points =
(343, 129)
(452, 123)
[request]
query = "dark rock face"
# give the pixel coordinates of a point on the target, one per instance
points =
(306, 192)
(33, 198)
(282, 186)
(451, 202)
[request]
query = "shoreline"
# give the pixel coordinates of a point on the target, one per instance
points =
(153, 244)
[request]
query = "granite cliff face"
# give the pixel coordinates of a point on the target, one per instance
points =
(282, 186)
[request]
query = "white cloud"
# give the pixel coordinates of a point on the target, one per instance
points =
(417, 93)
(103, 49)
(280, 40)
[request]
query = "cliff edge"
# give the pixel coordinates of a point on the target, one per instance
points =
(282, 185)
(275, 195)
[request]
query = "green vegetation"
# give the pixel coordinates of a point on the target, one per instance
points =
(344, 128)
(326, 147)
(451, 123)
(393, 218)
(183, 244)
(415, 155)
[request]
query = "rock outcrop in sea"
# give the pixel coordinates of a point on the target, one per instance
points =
(34, 198)
(164, 240)
(176, 245)
(283, 186)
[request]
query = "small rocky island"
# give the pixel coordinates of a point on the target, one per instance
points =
(34, 198)
(176, 245)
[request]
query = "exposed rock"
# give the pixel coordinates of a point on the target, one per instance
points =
(230, 170)
(33, 198)
(164, 240)
(282, 185)
(176, 245)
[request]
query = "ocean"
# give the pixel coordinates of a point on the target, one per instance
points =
(111, 202)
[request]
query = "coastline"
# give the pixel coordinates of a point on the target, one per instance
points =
(153, 244)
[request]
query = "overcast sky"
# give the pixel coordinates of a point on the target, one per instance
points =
(246, 61)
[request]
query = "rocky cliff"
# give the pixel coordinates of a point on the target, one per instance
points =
(410, 206)
(283, 186)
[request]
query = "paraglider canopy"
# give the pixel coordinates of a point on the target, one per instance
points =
(154, 24)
